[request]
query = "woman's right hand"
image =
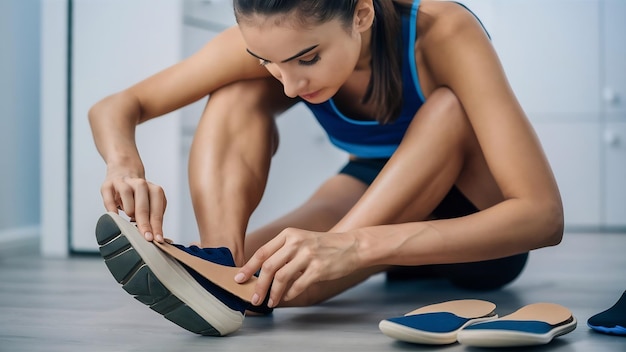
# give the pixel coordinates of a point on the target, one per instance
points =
(143, 201)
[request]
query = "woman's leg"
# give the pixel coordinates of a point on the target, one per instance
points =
(439, 150)
(229, 159)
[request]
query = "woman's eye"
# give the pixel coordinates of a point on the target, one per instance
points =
(315, 59)
(263, 62)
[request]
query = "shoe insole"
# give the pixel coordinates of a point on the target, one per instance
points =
(549, 313)
(464, 308)
(221, 275)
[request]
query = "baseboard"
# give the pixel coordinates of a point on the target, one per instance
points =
(19, 241)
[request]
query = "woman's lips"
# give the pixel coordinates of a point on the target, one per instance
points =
(310, 96)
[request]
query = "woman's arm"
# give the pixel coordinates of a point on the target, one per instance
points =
(113, 120)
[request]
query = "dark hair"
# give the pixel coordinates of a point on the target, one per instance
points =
(385, 85)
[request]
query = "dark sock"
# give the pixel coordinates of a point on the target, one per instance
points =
(612, 320)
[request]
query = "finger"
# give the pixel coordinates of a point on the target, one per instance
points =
(249, 268)
(263, 283)
(125, 197)
(259, 257)
(108, 196)
(142, 208)
(285, 278)
(277, 274)
(258, 262)
(157, 203)
(299, 285)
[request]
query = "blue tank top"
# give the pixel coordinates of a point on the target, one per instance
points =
(370, 139)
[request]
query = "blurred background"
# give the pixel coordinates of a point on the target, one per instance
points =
(565, 59)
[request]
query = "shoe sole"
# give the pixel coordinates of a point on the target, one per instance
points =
(502, 338)
(499, 333)
(616, 330)
(406, 334)
(474, 311)
(160, 282)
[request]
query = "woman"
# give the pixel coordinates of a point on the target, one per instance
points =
(445, 168)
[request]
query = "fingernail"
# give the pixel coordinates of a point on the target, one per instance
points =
(270, 303)
(255, 299)
(148, 236)
(159, 238)
(240, 277)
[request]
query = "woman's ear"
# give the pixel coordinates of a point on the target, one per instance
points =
(363, 15)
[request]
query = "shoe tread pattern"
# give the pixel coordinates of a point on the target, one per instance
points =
(138, 280)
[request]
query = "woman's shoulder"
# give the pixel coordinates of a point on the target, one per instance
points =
(450, 42)
(438, 20)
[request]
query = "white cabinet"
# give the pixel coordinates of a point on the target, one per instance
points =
(551, 60)
(615, 174)
(614, 108)
(565, 61)
(614, 59)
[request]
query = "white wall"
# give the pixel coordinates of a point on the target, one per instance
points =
(19, 119)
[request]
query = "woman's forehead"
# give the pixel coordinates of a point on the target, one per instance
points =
(281, 32)
(276, 42)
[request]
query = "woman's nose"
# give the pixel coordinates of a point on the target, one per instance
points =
(292, 85)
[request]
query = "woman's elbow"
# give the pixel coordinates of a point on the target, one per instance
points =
(99, 109)
(553, 223)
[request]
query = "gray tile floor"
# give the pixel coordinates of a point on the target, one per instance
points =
(75, 305)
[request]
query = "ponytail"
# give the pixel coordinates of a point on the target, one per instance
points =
(385, 86)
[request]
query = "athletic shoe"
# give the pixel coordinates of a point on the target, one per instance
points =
(611, 321)
(438, 324)
(534, 324)
(165, 285)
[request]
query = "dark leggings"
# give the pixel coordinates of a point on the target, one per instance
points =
(483, 275)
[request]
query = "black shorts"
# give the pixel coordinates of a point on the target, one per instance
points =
(453, 205)
(483, 275)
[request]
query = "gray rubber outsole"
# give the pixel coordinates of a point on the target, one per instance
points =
(136, 278)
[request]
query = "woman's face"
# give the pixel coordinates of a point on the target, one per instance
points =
(312, 62)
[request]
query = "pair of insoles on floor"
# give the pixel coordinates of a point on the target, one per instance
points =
(475, 323)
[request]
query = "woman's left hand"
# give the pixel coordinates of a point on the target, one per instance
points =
(296, 259)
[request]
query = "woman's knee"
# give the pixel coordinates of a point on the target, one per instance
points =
(446, 103)
(442, 117)
(442, 121)
(263, 96)
(250, 104)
